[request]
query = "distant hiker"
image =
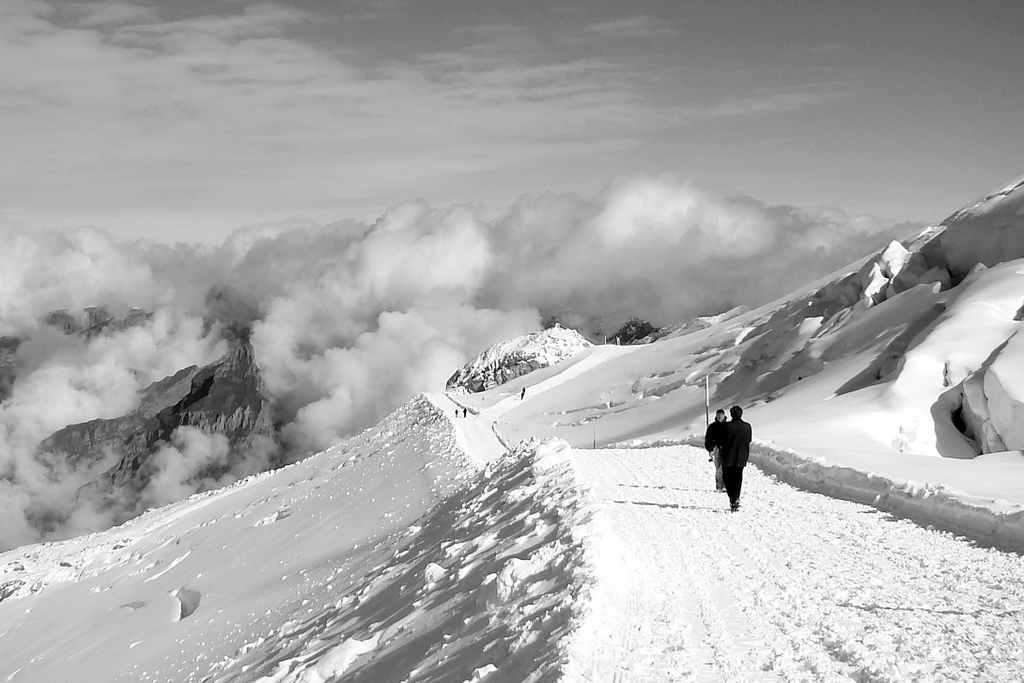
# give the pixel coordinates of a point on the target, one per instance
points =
(713, 439)
(465, 412)
(735, 452)
(522, 394)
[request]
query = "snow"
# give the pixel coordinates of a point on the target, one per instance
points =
(572, 533)
(796, 586)
(317, 571)
(1004, 394)
(251, 560)
(988, 231)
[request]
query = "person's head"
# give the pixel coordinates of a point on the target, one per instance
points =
(736, 412)
(720, 415)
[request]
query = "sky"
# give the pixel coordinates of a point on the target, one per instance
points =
(185, 121)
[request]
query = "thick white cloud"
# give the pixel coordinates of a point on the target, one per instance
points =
(664, 250)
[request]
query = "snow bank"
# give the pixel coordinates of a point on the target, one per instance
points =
(935, 505)
(1005, 393)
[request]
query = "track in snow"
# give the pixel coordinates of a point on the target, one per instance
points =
(796, 586)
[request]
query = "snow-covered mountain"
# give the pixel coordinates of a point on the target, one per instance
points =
(500, 547)
(516, 357)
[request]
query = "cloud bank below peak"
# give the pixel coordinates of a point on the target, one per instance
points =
(349, 320)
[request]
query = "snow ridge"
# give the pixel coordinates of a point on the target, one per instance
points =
(498, 581)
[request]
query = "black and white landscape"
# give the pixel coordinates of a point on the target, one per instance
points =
(374, 341)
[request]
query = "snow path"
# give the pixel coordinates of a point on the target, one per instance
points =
(796, 586)
(475, 434)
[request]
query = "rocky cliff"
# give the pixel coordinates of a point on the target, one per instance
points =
(227, 397)
(8, 365)
(634, 331)
(516, 357)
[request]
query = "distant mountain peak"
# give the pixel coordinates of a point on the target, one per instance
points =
(516, 357)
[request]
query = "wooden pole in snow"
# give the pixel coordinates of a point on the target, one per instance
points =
(707, 400)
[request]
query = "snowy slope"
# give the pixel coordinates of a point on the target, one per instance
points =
(988, 231)
(347, 562)
(912, 402)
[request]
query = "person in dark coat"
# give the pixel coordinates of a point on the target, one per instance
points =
(735, 453)
(713, 439)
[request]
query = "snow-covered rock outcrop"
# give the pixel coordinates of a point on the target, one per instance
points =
(516, 357)
(993, 399)
(989, 231)
(896, 269)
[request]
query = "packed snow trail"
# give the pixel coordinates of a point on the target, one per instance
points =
(796, 586)
(475, 434)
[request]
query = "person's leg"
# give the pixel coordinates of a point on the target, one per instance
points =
(716, 455)
(731, 476)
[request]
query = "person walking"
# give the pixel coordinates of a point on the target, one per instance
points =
(713, 439)
(735, 453)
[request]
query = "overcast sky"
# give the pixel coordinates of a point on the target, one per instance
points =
(186, 119)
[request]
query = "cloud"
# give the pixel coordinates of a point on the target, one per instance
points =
(666, 251)
(349, 320)
(159, 120)
(636, 26)
(197, 461)
(106, 14)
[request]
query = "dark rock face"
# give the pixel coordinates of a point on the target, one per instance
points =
(634, 331)
(227, 397)
(94, 320)
(8, 365)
